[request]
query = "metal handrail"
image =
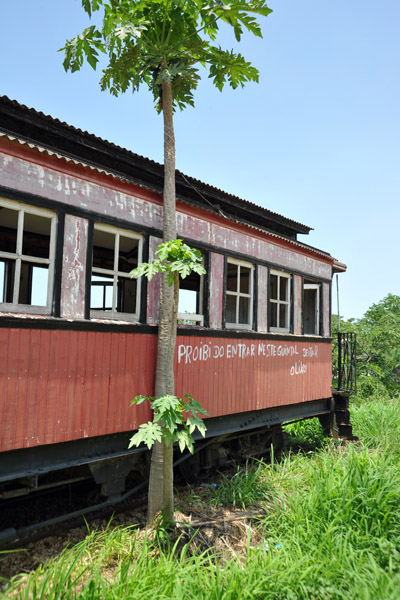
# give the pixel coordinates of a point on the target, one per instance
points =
(347, 363)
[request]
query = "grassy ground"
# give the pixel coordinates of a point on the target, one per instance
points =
(329, 529)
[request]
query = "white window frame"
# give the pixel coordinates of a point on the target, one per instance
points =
(18, 257)
(278, 301)
(114, 314)
(317, 287)
(238, 294)
(198, 318)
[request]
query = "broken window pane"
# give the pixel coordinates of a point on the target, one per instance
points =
(244, 279)
(103, 249)
(8, 229)
(128, 254)
(231, 309)
(231, 277)
(36, 237)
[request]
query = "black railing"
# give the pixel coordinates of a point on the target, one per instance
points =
(347, 362)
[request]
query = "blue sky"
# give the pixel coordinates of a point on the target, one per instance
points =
(317, 140)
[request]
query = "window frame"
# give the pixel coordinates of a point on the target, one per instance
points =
(18, 257)
(113, 314)
(278, 301)
(238, 294)
(313, 286)
(197, 317)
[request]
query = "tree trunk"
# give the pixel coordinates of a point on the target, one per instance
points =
(161, 473)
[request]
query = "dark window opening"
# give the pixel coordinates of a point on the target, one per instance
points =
(311, 308)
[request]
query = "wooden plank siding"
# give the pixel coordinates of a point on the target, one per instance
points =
(58, 385)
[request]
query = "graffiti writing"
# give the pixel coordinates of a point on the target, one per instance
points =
(189, 354)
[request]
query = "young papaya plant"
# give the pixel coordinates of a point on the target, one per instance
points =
(175, 419)
(162, 45)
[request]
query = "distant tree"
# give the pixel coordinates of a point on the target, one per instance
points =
(161, 43)
(378, 347)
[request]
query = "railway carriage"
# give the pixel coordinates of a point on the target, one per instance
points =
(78, 334)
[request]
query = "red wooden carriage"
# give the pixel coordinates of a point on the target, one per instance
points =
(78, 334)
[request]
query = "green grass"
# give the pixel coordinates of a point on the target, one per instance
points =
(307, 432)
(245, 487)
(331, 531)
(377, 423)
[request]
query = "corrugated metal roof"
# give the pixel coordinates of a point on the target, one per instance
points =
(157, 169)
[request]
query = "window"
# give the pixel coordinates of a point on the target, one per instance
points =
(27, 248)
(239, 294)
(114, 294)
(191, 295)
(311, 307)
(279, 301)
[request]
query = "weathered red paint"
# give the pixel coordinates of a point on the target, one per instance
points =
(230, 375)
(57, 386)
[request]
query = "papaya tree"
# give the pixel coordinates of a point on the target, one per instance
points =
(162, 44)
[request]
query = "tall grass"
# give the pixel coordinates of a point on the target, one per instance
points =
(331, 532)
(376, 421)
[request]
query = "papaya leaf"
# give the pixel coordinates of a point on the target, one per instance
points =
(165, 403)
(185, 440)
(193, 406)
(140, 399)
(148, 433)
(196, 423)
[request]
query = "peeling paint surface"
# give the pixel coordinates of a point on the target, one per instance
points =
(297, 306)
(262, 295)
(108, 201)
(326, 309)
(193, 228)
(74, 268)
(29, 177)
(216, 280)
(290, 260)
